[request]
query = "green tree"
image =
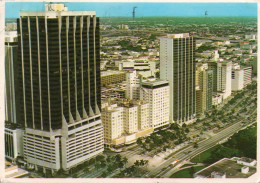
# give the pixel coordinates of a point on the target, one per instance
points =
(118, 157)
(139, 141)
(137, 163)
(141, 162)
(187, 130)
(120, 164)
(86, 169)
(108, 159)
(110, 168)
(174, 126)
(195, 145)
(97, 165)
(104, 174)
(192, 170)
(125, 160)
(224, 152)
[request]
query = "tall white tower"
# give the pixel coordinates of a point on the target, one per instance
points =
(177, 65)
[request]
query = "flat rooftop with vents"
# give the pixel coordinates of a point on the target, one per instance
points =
(226, 168)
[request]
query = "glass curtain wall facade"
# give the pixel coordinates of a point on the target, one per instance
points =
(59, 61)
(177, 65)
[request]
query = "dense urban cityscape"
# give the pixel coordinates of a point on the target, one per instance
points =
(129, 97)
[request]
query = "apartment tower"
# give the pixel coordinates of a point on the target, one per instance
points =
(204, 81)
(177, 65)
(156, 94)
(221, 77)
(59, 60)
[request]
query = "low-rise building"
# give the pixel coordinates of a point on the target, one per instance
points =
(12, 171)
(245, 161)
(228, 168)
(111, 77)
(217, 99)
(13, 141)
(144, 68)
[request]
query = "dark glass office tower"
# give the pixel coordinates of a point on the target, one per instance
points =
(177, 65)
(59, 60)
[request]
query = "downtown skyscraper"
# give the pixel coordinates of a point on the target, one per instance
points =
(59, 74)
(177, 65)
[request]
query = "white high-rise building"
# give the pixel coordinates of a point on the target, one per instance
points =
(123, 119)
(112, 119)
(130, 119)
(237, 79)
(204, 79)
(132, 85)
(224, 78)
(156, 93)
(177, 65)
(221, 77)
(247, 75)
(143, 116)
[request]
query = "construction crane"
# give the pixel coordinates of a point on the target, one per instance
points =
(134, 12)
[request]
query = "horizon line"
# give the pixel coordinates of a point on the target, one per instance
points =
(217, 16)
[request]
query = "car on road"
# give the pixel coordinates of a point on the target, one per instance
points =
(174, 162)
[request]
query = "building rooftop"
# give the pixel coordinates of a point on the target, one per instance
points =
(245, 159)
(56, 10)
(155, 83)
(228, 166)
(56, 14)
(12, 171)
(181, 35)
(105, 73)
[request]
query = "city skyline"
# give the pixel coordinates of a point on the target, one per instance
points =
(124, 9)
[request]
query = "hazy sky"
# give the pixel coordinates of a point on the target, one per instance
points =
(144, 9)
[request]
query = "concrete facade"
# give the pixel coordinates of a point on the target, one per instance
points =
(221, 77)
(156, 94)
(204, 78)
(124, 120)
(237, 80)
(247, 75)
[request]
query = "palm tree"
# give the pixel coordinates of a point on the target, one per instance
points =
(146, 162)
(139, 141)
(137, 163)
(118, 157)
(141, 162)
(196, 145)
(97, 165)
(86, 170)
(125, 160)
(108, 159)
(120, 164)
